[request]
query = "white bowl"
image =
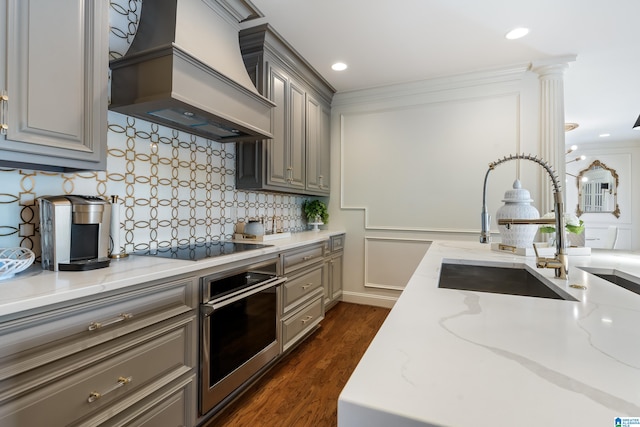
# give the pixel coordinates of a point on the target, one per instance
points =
(14, 260)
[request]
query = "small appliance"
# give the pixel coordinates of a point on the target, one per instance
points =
(74, 232)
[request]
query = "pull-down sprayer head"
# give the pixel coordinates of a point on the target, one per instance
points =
(485, 233)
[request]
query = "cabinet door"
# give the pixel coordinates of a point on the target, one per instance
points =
(297, 141)
(56, 82)
(317, 147)
(278, 147)
(335, 272)
(325, 150)
(326, 281)
(313, 144)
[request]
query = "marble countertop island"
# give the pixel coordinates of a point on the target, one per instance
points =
(458, 358)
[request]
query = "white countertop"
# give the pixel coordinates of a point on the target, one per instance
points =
(456, 358)
(36, 288)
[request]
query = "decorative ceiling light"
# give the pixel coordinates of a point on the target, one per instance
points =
(637, 125)
(517, 33)
(339, 66)
(568, 127)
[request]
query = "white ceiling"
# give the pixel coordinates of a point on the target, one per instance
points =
(386, 42)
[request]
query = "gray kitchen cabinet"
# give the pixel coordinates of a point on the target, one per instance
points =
(285, 161)
(118, 359)
(296, 160)
(302, 296)
(53, 84)
(333, 270)
(318, 147)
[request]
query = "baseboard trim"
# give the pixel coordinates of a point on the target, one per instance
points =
(366, 299)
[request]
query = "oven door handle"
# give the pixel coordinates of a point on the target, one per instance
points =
(208, 308)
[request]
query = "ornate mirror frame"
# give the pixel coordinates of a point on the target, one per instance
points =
(597, 164)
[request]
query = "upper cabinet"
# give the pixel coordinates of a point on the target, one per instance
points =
(53, 80)
(296, 160)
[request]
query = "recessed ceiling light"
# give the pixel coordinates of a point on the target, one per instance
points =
(604, 135)
(516, 33)
(339, 66)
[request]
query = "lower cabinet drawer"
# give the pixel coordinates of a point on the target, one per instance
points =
(170, 413)
(337, 243)
(295, 260)
(171, 406)
(297, 289)
(143, 368)
(33, 341)
(302, 321)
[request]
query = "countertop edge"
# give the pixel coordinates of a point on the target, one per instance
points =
(35, 289)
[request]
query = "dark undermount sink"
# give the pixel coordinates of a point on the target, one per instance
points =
(616, 277)
(500, 280)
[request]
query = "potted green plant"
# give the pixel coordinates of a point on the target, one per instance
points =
(316, 211)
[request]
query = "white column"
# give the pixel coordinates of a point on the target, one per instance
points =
(552, 150)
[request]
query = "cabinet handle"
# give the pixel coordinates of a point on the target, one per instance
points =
(122, 381)
(307, 258)
(121, 318)
(306, 319)
(4, 105)
(307, 286)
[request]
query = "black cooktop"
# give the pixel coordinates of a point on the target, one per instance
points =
(198, 251)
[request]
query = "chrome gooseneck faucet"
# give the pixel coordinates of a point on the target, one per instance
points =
(560, 262)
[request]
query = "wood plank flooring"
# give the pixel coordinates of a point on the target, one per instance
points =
(302, 390)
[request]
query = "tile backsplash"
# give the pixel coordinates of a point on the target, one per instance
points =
(174, 188)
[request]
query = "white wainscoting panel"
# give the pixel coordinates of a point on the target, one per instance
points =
(402, 164)
(390, 261)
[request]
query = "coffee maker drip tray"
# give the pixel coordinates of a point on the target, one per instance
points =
(84, 264)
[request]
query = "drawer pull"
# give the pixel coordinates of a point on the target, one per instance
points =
(4, 101)
(121, 318)
(122, 381)
(307, 258)
(307, 286)
(306, 319)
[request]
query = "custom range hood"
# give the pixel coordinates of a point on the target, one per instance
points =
(184, 70)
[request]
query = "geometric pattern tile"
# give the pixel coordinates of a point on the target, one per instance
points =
(172, 188)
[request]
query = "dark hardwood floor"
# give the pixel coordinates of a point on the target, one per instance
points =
(303, 389)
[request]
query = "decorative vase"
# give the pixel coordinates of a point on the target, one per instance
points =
(566, 242)
(517, 205)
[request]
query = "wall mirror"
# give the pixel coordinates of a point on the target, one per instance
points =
(598, 190)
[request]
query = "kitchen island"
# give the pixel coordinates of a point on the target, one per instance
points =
(457, 358)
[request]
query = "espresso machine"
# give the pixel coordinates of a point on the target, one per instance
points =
(74, 232)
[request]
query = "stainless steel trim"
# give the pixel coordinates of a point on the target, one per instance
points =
(208, 308)
(206, 296)
(215, 396)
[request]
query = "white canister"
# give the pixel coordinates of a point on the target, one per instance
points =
(517, 205)
(254, 228)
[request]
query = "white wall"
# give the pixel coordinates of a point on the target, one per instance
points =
(412, 160)
(624, 157)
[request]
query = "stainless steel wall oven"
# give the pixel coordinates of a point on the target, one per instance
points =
(240, 329)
